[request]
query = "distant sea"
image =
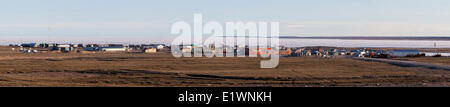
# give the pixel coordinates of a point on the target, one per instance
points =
(290, 42)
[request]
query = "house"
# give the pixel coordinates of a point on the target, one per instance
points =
(298, 51)
(91, 49)
(308, 53)
(157, 46)
(360, 54)
(318, 53)
(351, 53)
(258, 51)
(81, 45)
(160, 46)
(62, 47)
(112, 49)
(150, 50)
(30, 51)
(287, 52)
(186, 50)
(44, 45)
(30, 45)
(403, 53)
(74, 45)
(134, 46)
(92, 45)
(14, 45)
(115, 45)
(334, 50)
(334, 53)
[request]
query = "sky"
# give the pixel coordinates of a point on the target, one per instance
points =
(152, 19)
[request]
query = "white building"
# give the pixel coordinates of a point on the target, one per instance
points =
(113, 49)
(160, 47)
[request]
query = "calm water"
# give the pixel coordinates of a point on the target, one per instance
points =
(365, 43)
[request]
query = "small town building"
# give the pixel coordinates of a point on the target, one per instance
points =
(81, 45)
(92, 45)
(115, 45)
(91, 49)
(160, 47)
(186, 50)
(74, 45)
(112, 49)
(62, 47)
(308, 53)
(14, 45)
(150, 50)
(44, 45)
(360, 54)
(30, 45)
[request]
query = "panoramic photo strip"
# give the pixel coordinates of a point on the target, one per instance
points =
(223, 52)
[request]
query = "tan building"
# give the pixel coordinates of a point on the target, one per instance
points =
(150, 50)
(186, 50)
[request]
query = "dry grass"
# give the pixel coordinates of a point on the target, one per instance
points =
(435, 60)
(161, 69)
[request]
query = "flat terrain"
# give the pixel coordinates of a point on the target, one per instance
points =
(434, 60)
(163, 70)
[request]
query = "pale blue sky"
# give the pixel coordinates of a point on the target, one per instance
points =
(152, 19)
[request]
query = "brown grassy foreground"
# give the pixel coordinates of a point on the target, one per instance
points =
(434, 60)
(163, 70)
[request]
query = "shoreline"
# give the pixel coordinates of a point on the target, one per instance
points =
(369, 38)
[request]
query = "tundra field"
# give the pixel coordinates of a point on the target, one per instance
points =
(122, 69)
